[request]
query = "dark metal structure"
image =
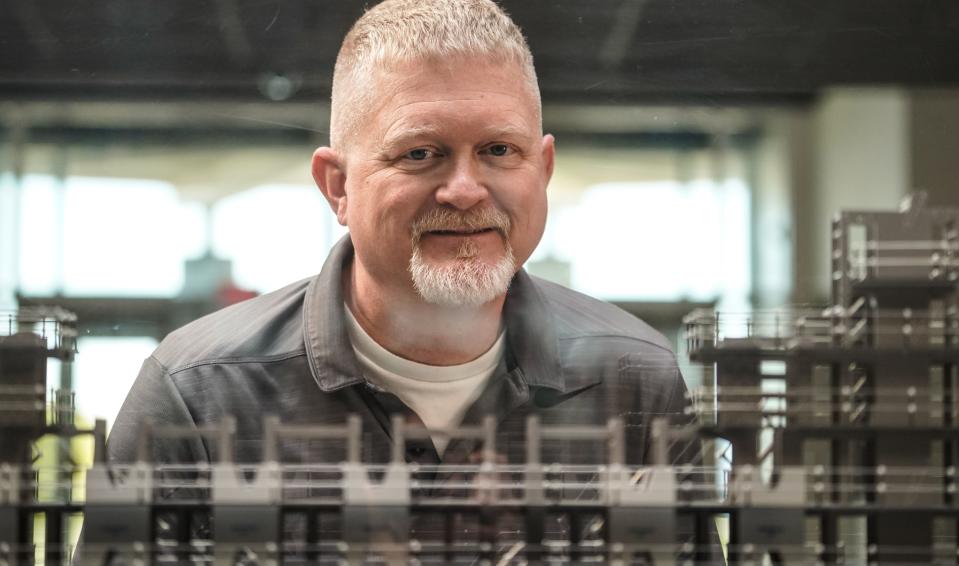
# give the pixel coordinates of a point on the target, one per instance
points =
(861, 393)
(601, 51)
(27, 339)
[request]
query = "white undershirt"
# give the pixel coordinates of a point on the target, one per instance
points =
(440, 395)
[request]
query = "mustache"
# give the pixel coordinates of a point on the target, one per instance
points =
(454, 220)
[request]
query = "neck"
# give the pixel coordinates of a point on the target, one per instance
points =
(400, 321)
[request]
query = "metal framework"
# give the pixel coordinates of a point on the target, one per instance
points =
(862, 392)
(839, 426)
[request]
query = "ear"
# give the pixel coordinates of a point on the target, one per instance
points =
(330, 176)
(549, 155)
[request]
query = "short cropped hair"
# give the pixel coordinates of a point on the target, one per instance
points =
(403, 31)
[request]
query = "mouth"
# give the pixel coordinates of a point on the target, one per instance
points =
(456, 227)
(461, 232)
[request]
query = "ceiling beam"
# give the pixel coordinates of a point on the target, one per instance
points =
(620, 38)
(29, 18)
(233, 34)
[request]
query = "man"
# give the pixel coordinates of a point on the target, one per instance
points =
(438, 166)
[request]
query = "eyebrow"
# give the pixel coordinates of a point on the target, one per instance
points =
(407, 135)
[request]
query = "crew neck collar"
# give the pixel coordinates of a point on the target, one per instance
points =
(530, 338)
(365, 345)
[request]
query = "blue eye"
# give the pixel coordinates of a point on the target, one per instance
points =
(499, 150)
(419, 154)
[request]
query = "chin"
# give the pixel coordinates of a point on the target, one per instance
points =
(461, 282)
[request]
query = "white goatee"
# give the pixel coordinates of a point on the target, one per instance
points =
(466, 281)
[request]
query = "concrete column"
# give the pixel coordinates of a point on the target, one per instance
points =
(781, 179)
(861, 159)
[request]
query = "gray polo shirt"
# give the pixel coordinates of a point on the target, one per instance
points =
(569, 358)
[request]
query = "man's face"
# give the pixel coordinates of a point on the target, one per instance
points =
(449, 168)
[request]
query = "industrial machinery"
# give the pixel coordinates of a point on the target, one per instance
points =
(834, 431)
(852, 409)
(29, 338)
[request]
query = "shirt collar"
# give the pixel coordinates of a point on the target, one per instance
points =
(530, 334)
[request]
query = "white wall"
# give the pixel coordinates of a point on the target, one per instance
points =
(862, 161)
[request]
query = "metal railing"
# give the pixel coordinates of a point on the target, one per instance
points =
(54, 326)
(804, 327)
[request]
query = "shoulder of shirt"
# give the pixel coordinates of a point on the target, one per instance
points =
(581, 317)
(264, 328)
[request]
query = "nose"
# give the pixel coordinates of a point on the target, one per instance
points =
(464, 187)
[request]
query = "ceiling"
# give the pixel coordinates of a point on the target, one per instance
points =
(595, 51)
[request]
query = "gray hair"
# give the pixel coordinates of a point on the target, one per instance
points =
(401, 31)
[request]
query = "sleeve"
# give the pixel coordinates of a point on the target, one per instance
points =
(154, 398)
(657, 391)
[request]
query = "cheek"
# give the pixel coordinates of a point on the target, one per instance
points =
(538, 220)
(372, 206)
(387, 217)
(530, 217)
(534, 204)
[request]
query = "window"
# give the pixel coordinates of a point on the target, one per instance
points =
(657, 241)
(103, 237)
(274, 234)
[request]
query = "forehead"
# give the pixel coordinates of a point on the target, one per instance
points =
(456, 92)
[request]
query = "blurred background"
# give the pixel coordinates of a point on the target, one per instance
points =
(154, 154)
